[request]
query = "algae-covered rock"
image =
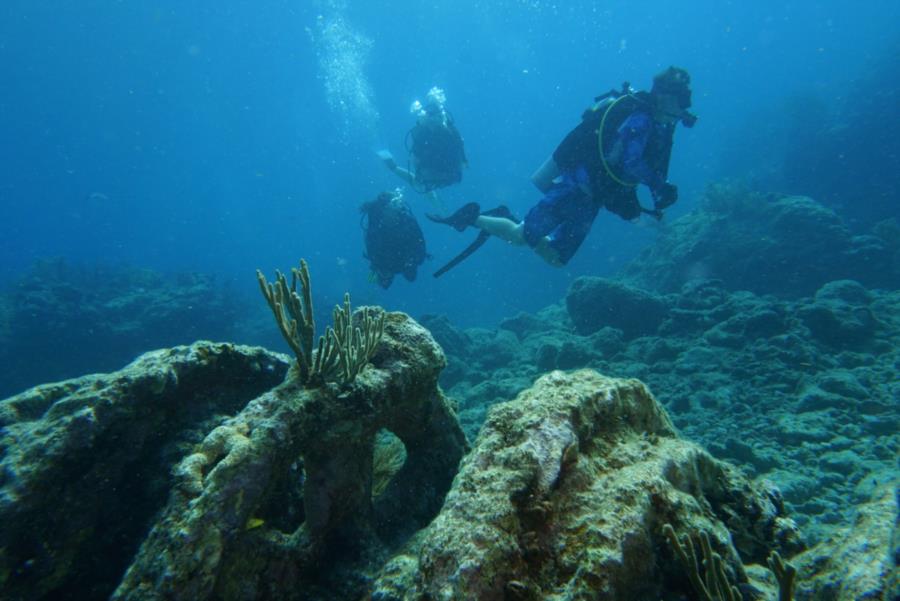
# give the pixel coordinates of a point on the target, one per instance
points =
(859, 561)
(220, 536)
(768, 244)
(594, 303)
(85, 463)
(454, 341)
(564, 496)
(526, 324)
(193, 474)
(840, 314)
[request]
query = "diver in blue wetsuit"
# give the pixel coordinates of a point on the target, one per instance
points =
(624, 140)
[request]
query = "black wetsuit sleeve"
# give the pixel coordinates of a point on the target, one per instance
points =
(579, 147)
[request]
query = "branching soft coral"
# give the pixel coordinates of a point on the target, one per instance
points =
(342, 352)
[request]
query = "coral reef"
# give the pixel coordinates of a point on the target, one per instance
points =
(767, 244)
(270, 497)
(808, 379)
(771, 335)
(223, 472)
(339, 491)
(815, 405)
(64, 320)
(565, 494)
(858, 561)
(84, 463)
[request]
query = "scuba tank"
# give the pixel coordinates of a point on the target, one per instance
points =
(606, 117)
(605, 114)
(545, 174)
(611, 109)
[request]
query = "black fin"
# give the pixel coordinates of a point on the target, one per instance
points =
(479, 241)
(500, 211)
(464, 217)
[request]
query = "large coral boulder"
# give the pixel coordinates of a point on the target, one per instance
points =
(767, 244)
(206, 472)
(860, 560)
(594, 303)
(840, 315)
(229, 529)
(564, 497)
(84, 463)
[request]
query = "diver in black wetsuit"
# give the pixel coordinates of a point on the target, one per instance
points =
(394, 241)
(436, 152)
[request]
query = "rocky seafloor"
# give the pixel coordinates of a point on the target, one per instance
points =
(790, 374)
(756, 380)
(86, 318)
(541, 467)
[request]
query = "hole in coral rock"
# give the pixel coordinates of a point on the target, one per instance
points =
(283, 507)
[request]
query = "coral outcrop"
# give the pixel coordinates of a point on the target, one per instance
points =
(61, 320)
(595, 303)
(859, 561)
(767, 244)
(84, 463)
(271, 486)
(565, 494)
(809, 383)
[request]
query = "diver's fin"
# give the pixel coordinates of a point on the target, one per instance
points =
(464, 217)
(500, 211)
(479, 241)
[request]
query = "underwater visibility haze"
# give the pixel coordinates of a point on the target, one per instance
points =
(155, 155)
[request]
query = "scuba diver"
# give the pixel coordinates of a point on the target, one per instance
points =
(623, 140)
(393, 238)
(436, 153)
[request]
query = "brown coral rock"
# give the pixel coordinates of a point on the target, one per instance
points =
(564, 497)
(860, 561)
(223, 534)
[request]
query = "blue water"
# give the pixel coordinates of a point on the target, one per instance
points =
(225, 137)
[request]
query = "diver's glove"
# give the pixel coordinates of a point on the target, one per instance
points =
(665, 197)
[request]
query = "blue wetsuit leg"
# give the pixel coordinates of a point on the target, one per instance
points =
(564, 215)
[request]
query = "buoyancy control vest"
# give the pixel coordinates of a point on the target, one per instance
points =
(594, 143)
(437, 153)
